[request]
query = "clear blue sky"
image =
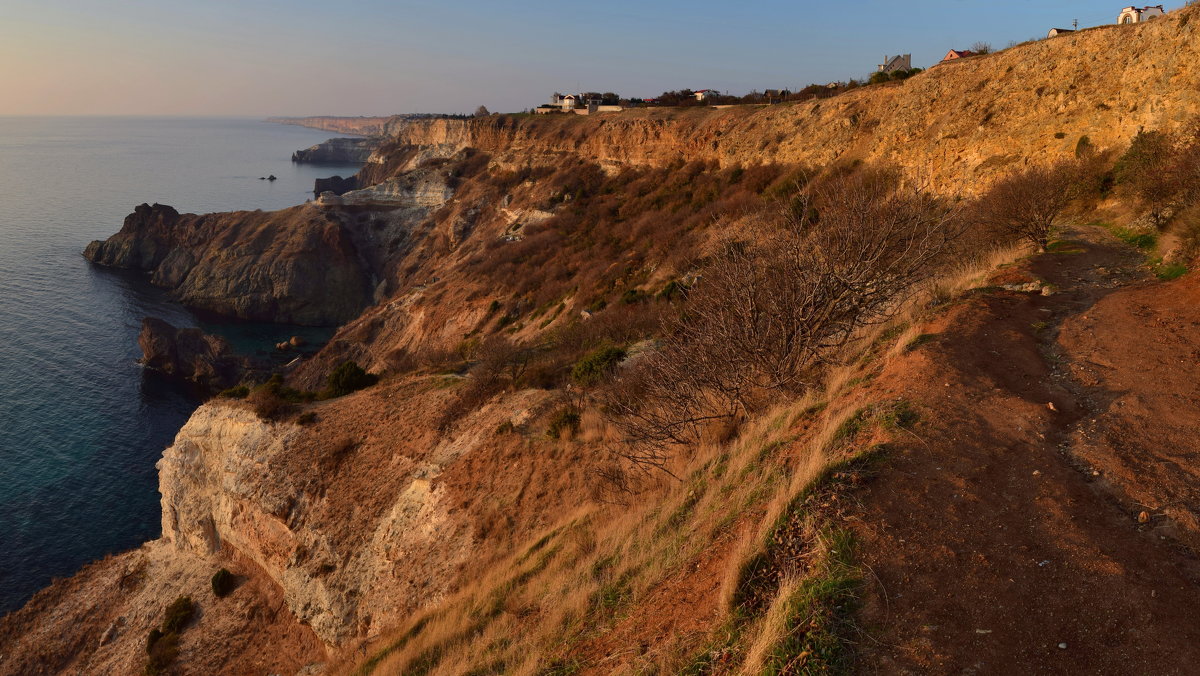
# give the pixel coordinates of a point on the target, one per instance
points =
(371, 57)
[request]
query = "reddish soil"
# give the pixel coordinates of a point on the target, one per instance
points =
(1135, 355)
(991, 546)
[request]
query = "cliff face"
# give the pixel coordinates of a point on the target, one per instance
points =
(338, 151)
(366, 515)
(299, 265)
(956, 126)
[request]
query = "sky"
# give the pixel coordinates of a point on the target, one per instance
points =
(372, 57)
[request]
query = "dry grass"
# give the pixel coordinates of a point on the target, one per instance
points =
(600, 573)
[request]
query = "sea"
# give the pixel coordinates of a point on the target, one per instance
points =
(81, 422)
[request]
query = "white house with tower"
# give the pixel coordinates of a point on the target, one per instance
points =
(1140, 14)
(892, 64)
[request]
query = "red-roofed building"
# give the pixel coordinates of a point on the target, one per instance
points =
(957, 54)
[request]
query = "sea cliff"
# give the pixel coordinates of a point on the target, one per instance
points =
(338, 151)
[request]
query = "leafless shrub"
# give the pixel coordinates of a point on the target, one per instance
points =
(1028, 204)
(502, 362)
(765, 315)
(501, 365)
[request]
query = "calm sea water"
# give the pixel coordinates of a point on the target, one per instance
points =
(81, 424)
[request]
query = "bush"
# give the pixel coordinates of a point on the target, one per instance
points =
(764, 317)
(306, 418)
(162, 650)
(1028, 204)
(349, 377)
(565, 421)
(178, 614)
(596, 365)
(156, 634)
(236, 392)
(268, 405)
(1152, 172)
(223, 582)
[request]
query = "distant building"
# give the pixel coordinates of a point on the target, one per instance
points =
(775, 95)
(704, 94)
(570, 103)
(892, 64)
(955, 54)
(1140, 14)
(559, 103)
(1055, 32)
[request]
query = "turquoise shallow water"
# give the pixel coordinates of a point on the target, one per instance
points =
(81, 424)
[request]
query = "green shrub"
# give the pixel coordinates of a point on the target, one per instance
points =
(1142, 240)
(162, 651)
(564, 421)
(236, 392)
(1169, 271)
(672, 290)
(154, 637)
(349, 377)
(596, 365)
(178, 614)
(223, 582)
(634, 296)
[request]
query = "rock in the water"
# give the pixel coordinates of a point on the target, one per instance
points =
(190, 354)
(335, 184)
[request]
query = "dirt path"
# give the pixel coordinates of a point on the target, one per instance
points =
(996, 541)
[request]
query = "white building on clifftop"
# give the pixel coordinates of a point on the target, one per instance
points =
(1140, 14)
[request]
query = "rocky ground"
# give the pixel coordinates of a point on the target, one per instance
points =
(1030, 524)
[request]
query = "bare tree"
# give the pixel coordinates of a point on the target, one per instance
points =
(1029, 203)
(765, 315)
(982, 47)
(482, 111)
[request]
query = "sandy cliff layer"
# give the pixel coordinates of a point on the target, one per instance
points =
(954, 126)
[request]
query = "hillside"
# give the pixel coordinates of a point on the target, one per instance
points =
(955, 125)
(591, 448)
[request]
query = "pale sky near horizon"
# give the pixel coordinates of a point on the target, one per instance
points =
(371, 57)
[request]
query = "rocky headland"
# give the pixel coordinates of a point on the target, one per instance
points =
(338, 151)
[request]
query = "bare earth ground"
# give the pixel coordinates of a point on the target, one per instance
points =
(1004, 536)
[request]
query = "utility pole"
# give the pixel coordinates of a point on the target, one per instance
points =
(1075, 23)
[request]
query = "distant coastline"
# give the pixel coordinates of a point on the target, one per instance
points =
(356, 126)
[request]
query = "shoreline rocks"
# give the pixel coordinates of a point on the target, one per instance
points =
(190, 354)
